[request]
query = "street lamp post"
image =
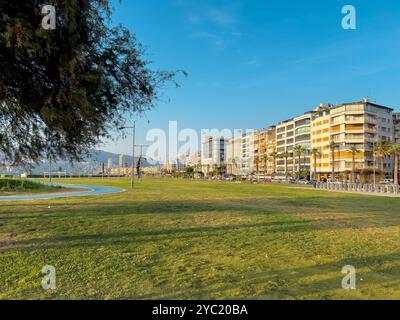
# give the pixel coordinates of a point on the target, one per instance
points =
(133, 154)
(50, 169)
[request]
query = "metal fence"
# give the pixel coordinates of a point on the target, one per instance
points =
(359, 187)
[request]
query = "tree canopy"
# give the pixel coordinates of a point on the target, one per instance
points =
(63, 90)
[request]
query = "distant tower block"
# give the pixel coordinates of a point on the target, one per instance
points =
(121, 161)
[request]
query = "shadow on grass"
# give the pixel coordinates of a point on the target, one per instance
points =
(311, 211)
(121, 238)
(292, 283)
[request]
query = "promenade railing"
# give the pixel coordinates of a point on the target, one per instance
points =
(358, 187)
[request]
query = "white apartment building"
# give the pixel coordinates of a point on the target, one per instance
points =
(284, 143)
(247, 154)
(234, 156)
(213, 155)
(109, 163)
(240, 155)
(289, 134)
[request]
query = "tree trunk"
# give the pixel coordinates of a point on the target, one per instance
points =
(315, 167)
(293, 166)
(286, 166)
(353, 169)
(299, 165)
(333, 164)
(265, 169)
(274, 167)
(396, 169)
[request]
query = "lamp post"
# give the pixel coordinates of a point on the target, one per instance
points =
(133, 154)
(50, 169)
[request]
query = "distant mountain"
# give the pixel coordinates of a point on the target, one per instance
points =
(92, 164)
(103, 156)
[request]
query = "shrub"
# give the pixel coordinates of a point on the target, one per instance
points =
(8, 185)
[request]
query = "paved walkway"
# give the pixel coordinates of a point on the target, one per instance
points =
(89, 191)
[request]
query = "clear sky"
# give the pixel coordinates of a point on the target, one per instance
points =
(253, 63)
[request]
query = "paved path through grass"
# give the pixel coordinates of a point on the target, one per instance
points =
(90, 191)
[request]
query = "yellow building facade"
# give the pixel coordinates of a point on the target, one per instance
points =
(361, 125)
(264, 146)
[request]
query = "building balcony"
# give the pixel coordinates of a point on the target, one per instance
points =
(355, 130)
(371, 130)
(360, 120)
(370, 138)
(360, 138)
(371, 120)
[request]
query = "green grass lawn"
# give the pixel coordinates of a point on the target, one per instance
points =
(176, 239)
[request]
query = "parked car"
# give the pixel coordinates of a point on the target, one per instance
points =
(303, 181)
(387, 181)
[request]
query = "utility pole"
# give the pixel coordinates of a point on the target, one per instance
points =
(133, 153)
(50, 168)
(133, 157)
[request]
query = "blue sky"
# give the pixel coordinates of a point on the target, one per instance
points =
(254, 63)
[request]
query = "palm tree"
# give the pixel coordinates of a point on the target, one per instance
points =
(298, 150)
(354, 151)
(256, 162)
(333, 146)
(305, 154)
(383, 149)
(265, 159)
(221, 168)
(285, 155)
(274, 155)
(315, 153)
(374, 156)
(395, 151)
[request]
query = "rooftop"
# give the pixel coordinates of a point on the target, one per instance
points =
(364, 102)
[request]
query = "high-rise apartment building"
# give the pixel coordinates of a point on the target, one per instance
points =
(121, 161)
(396, 128)
(234, 156)
(290, 134)
(359, 124)
(284, 144)
(396, 125)
(213, 155)
(109, 164)
(264, 147)
(247, 161)
(320, 140)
